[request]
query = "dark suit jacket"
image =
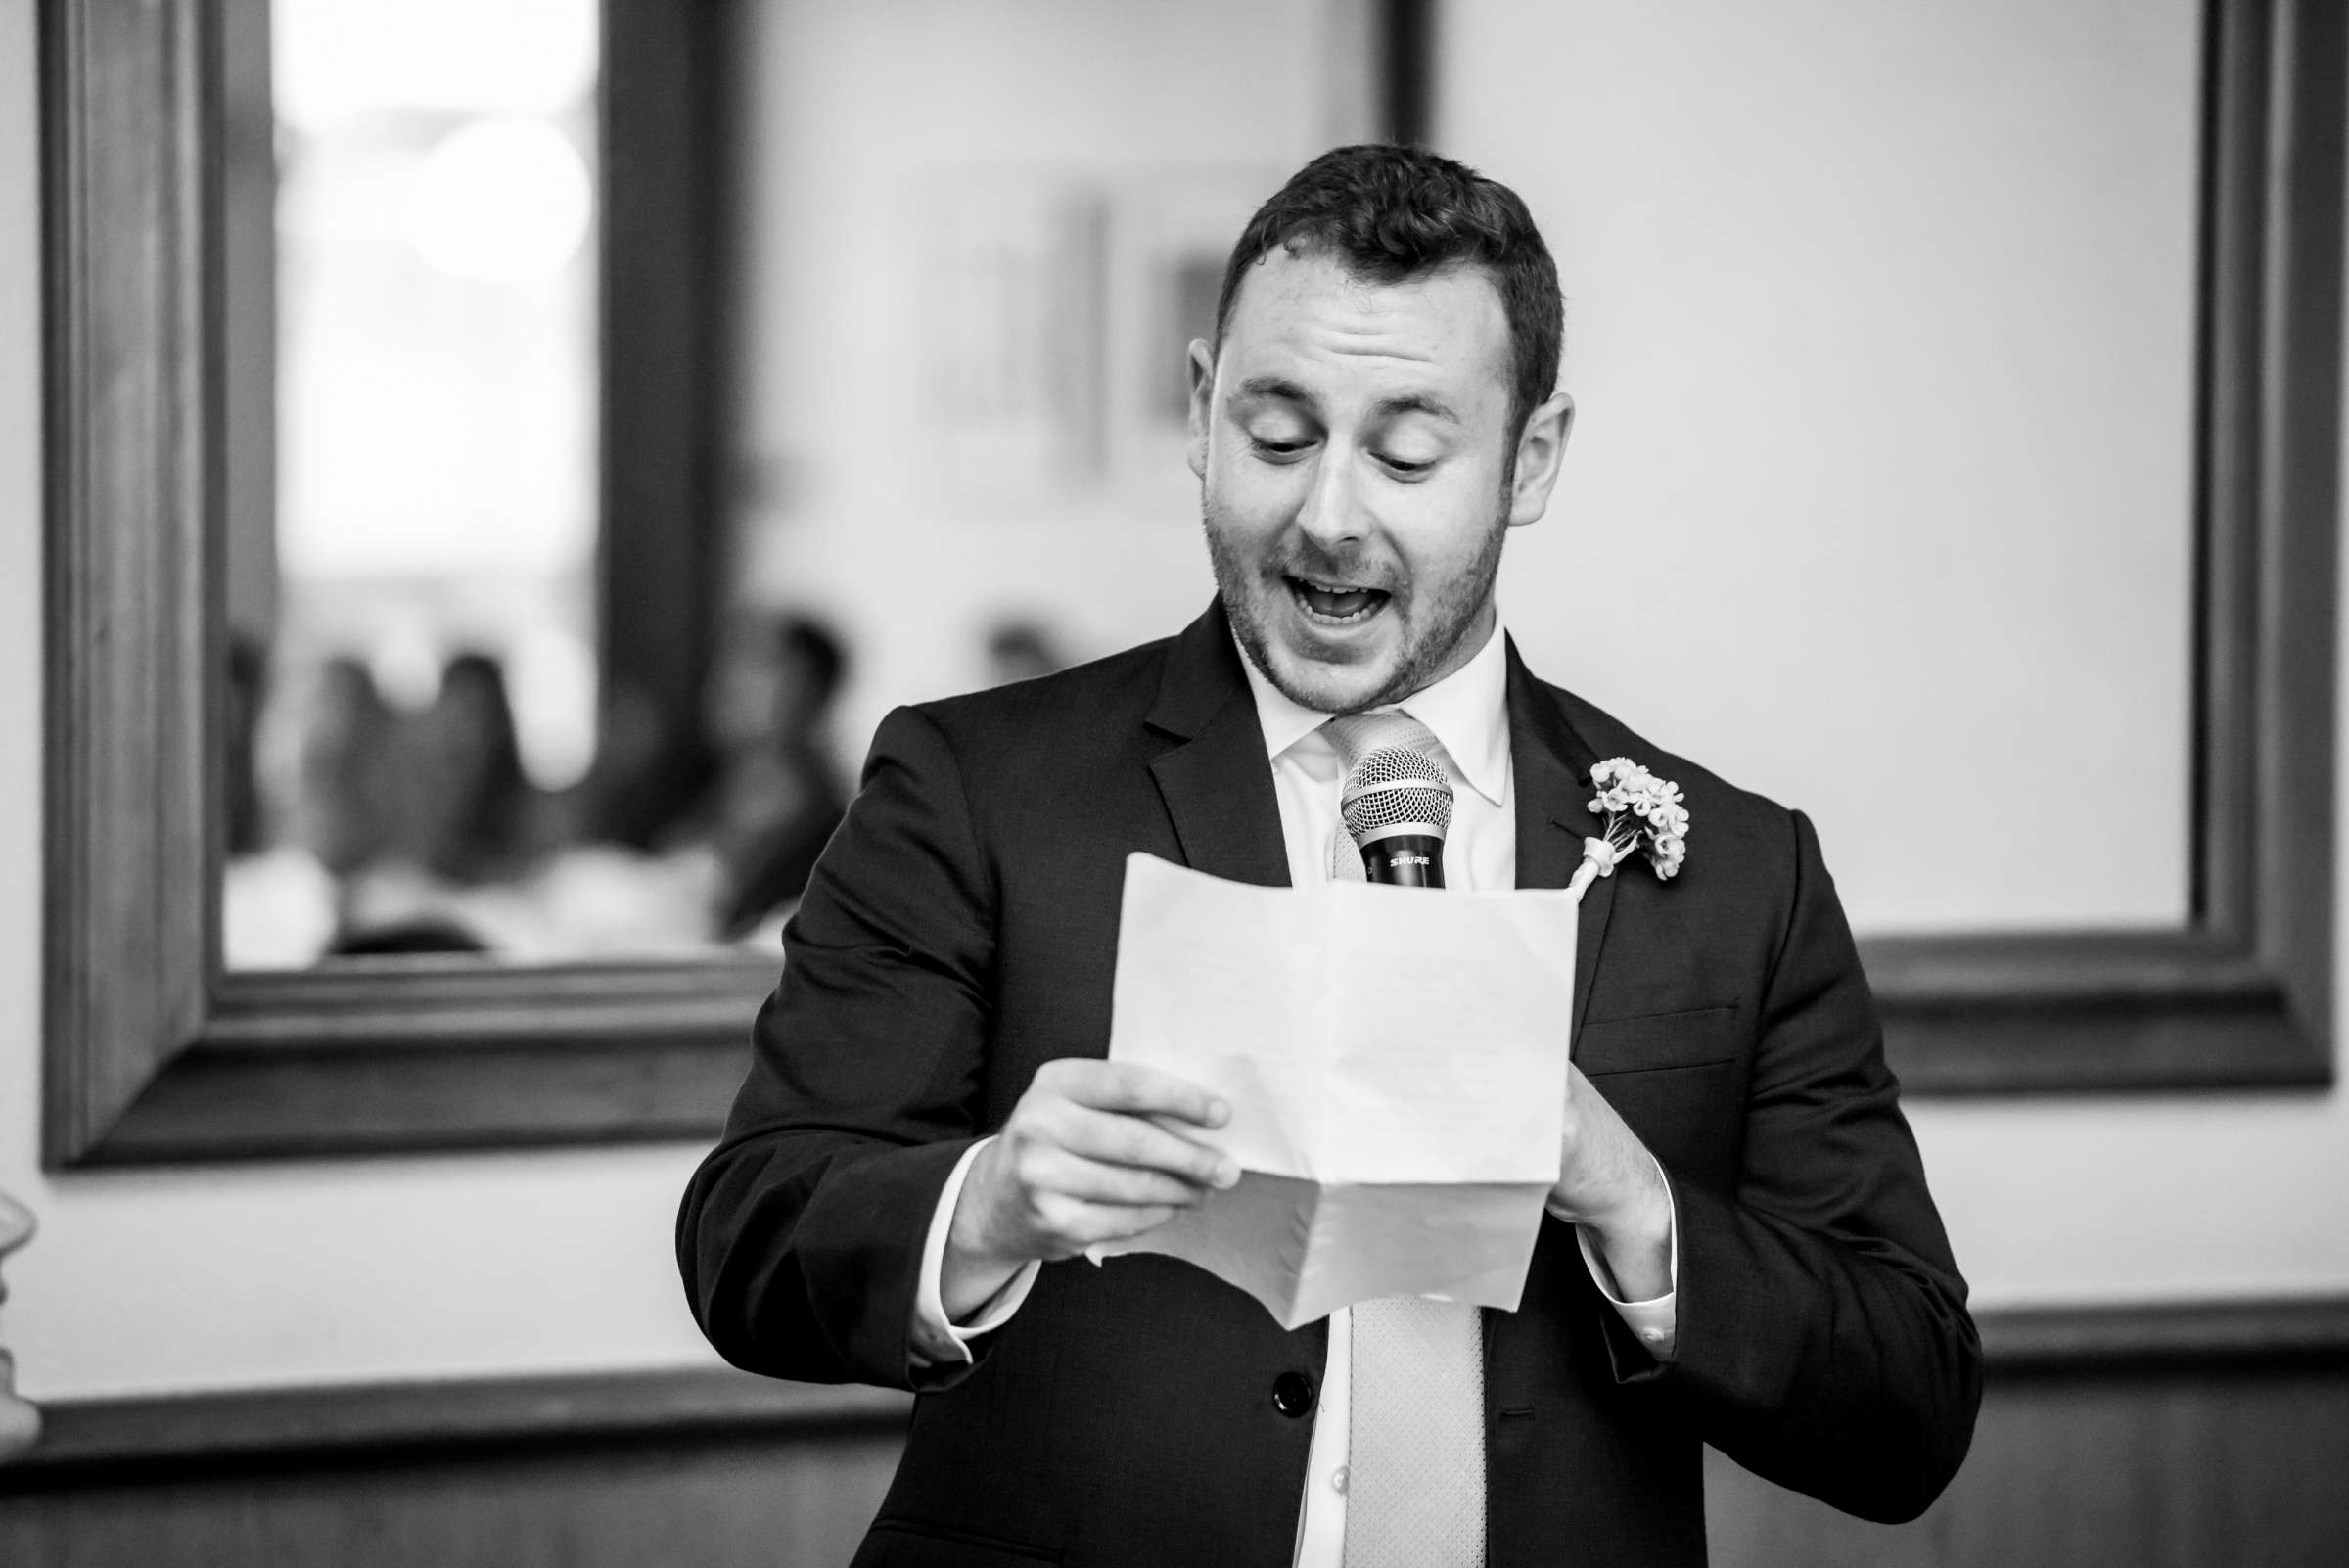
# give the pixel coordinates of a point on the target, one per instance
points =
(961, 929)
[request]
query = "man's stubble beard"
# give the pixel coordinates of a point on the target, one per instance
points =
(1449, 616)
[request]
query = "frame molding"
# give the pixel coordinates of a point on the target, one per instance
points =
(131, 114)
(153, 1053)
(179, 1435)
(2242, 994)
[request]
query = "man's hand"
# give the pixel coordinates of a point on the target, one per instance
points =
(1609, 1183)
(1093, 1152)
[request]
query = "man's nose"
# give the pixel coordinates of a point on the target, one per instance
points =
(1331, 514)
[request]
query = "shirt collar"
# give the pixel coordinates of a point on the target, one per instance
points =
(1467, 711)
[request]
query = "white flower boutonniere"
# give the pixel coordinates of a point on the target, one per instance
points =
(1642, 811)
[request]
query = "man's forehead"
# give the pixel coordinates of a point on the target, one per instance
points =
(1290, 305)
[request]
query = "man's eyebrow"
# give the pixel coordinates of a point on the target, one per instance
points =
(1288, 391)
(1417, 403)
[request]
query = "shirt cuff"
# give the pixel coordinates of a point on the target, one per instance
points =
(936, 1339)
(1655, 1321)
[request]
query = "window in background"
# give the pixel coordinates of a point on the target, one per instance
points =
(435, 223)
(414, 670)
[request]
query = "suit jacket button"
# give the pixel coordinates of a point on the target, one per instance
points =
(1291, 1394)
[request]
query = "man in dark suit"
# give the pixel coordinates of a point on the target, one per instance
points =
(1741, 1250)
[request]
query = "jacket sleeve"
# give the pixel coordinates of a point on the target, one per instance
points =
(800, 1237)
(1824, 1341)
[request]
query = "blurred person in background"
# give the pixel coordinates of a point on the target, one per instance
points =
(475, 816)
(472, 828)
(780, 790)
(648, 777)
(1019, 648)
(346, 807)
(277, 901)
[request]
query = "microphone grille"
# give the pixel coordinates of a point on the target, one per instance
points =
(1393, 787)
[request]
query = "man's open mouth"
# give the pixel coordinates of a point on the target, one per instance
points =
(1335, 603)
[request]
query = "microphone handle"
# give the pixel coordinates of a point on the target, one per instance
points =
(1404, 860)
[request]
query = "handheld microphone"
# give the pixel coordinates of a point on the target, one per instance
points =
(1397, 805)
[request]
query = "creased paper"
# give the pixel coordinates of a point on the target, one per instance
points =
(1396, 1064)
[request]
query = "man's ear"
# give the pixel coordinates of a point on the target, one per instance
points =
(1203, 397)
(1540, 450)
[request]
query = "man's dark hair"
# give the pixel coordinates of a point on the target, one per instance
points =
(1388, 213)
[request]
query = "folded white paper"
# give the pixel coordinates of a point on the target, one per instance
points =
(1396, 1064)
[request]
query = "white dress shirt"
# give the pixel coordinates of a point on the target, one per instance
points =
(1467, 712)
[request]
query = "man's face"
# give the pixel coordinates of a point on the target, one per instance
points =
(1353, 445)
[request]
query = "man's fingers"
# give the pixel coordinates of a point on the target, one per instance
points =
(1114, 1138)
(1122, 1186)
(1075, 1225)
(1136, 1091)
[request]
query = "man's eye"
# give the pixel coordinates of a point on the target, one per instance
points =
(1278, 448)
(1405, 469)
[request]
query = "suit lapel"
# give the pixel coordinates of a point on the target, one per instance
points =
(1552, 768)
(1549, 766)
(1216, 782)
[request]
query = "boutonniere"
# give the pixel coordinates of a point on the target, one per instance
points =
(1644, 812)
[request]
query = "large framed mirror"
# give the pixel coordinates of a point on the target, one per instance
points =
(432, 760)
(269, 939)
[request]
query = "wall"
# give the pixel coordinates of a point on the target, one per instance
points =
(1881, 322)
(1878, 325)
(187, 1278)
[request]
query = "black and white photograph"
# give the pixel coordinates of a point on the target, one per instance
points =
(1140, 783)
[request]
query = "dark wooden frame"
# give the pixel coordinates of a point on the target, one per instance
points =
(666, 379)
(2242, 995)
(154, 1053)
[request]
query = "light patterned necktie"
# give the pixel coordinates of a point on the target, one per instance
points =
(1415, 1465)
